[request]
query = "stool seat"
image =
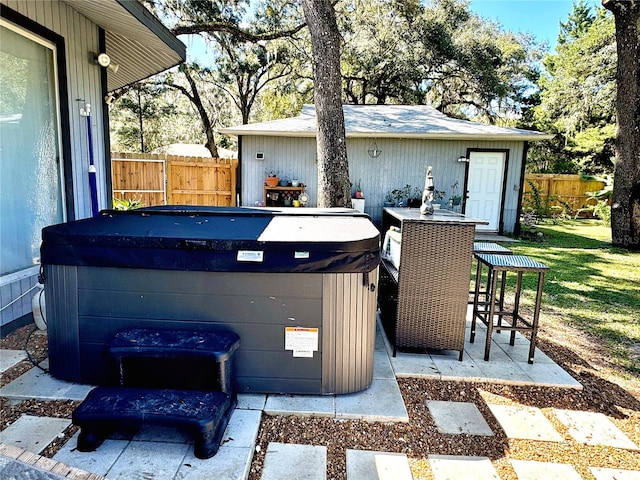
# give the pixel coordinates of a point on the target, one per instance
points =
(492, 248)
(493, 306)
(489, 247)
(511, 262)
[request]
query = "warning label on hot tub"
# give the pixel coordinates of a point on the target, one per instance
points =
(303, 341)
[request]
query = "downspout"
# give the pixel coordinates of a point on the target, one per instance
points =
(106, 137)
(517, 227)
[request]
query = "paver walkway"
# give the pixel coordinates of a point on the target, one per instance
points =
(160, 453)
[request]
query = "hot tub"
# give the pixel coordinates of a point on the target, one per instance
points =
(297, 285)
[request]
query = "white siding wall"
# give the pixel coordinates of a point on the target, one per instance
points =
(83, 82)
(402, 162)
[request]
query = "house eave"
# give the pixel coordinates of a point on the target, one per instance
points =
(136, 41)
(415, 136)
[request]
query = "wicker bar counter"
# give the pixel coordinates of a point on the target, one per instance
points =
(423, 302)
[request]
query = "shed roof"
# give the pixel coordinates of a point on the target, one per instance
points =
(136, 41)
(394, 121)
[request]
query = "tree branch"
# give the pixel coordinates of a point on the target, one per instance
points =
(238, 33)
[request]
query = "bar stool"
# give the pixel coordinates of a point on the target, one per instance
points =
(486, 311)
(496, 249)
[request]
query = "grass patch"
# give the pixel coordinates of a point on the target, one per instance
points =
(591, 285)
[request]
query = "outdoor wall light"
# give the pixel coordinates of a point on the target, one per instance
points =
(104, 61)
(259, 155)
(463, 159)
(374, 151)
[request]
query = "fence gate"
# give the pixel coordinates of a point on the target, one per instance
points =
(174, 180)
(142, 179)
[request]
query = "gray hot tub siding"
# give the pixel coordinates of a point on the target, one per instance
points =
(88, 305)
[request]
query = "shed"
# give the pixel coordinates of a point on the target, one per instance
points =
(389, 147)
(51, 50)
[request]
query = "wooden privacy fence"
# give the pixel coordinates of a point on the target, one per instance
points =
(559, 190)
(174, 180)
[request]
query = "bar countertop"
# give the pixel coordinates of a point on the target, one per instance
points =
(439, 216)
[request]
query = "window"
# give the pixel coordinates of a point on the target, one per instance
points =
(31, 195)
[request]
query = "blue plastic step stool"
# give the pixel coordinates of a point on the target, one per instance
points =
(205, 413)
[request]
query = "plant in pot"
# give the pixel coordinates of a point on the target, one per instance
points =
(438, 197)
(388, 199)
(358, 191)
(415, 199)
(398, 195)
(271, 179)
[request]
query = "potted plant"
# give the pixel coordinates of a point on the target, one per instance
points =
(438, 197)
(397, 196)
(271, 179)
(388, 199)
(284, 181)
(358, 193)
(415, 200)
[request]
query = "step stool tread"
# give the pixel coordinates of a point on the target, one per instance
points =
(207, 413)
(219, 344)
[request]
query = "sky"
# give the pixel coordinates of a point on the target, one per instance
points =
(538, 17)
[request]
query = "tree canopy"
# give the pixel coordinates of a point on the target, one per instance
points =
(577, 95)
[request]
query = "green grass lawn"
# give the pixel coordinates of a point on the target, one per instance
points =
(591, 285)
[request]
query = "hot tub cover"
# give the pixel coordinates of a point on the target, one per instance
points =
(221, 239)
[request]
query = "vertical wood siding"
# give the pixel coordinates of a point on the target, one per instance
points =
(402, 162)
(83, 82)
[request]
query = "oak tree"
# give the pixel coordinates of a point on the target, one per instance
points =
(625, 209)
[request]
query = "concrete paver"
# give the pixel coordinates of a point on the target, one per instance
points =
(454, 467)
(233, 460)
(527, 423)
(156, 460)
(37, 384)
(303, 405)
(614, 474)
(458, 417)
(292, 461)
(251, 401)
(593, 428)
(33, 433)
(365, 464)
(230, 463)
(8, 358)
(99, 462)
(381, 402)
(530, 470)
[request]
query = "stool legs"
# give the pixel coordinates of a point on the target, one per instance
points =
(536, 316)
(492, 307)
(476, 296)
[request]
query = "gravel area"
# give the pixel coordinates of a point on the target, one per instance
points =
(606, 389)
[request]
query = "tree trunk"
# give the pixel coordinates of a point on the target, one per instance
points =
(334, 188)
(625, 208)
(204, 116)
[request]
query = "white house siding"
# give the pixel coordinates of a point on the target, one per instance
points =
(403, 161)
(83, 82)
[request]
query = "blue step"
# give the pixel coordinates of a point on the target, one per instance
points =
(106, 409)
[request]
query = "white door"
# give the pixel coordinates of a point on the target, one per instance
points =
(484, 188)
